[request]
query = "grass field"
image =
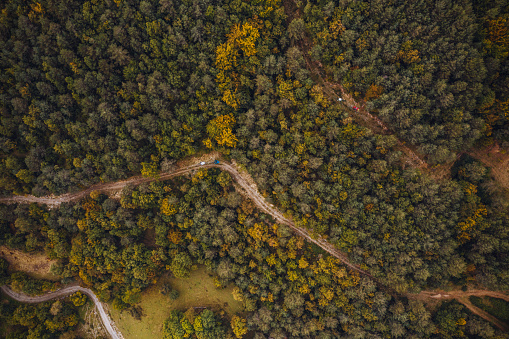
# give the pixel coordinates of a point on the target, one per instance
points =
(496, 307)
(36, 265)
(196, 291)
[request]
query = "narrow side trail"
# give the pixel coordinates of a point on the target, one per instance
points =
(361, 115)
(459, 294)
(108, 323)
(483, 314)
(334, 90)
(462, 297)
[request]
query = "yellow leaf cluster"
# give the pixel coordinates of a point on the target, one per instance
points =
(271, 260)
(285, 89)
(244, 37)
(269, 7)
(319, 96)
(199, 176)
(373, 92)
(149, 169)
(304, 289)
(470, 189)
(466, 227)
(292, 275)
(407, 54)
(175, 236)
(74, 67)
(208, 143)
(220, 129)
(230, 99)
(238, 325)
(167, 208)
(303, 263)
(241, 38)
(336, 27)
(326, 295)
(258, 232)
(498, 31)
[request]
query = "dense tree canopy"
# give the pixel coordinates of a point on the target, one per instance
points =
(97, 91)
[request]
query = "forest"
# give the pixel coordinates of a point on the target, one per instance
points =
(99, 91)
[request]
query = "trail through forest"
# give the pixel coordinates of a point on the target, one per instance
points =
(462, 297)
(361, 114)
(242, 180)
(108, 323)
(483, 314)
(335, 91)
(246, 186)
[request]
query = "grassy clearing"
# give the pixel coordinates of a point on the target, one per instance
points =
(196, 291)
(36, 265)
(496, 307)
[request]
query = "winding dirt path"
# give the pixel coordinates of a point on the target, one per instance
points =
(108, 323)
(459, 294)
(243, 184)
(362, 116)
(247, 187)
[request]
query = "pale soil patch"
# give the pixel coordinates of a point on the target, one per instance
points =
(196, 291)
(36, 265)
(206, 157)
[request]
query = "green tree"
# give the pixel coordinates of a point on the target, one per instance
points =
(180, 265)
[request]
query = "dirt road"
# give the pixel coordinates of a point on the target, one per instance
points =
(243, 182)
(246, 186)
(334, 90)
(108, 323)
(483, 314)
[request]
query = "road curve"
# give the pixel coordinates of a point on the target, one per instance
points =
(250, 191)
(108, 323)
(246, 189)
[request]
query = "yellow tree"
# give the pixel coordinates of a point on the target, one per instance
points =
(220, 129)
(242, 38)
(238, 326)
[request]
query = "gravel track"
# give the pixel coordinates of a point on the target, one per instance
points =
(108, 323)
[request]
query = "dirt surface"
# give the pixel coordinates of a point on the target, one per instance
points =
(35, 264)
(497, 159)
(108, 323)
(483, 314)
(462, 297)
(439, 294)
